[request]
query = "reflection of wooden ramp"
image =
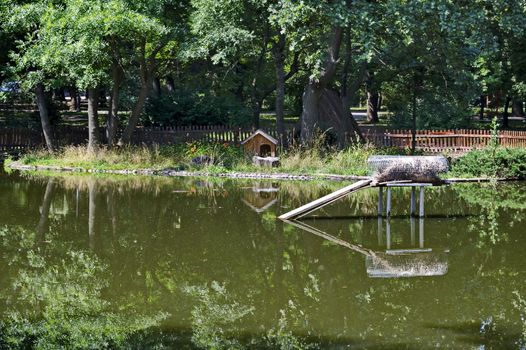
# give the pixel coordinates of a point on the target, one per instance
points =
(392, 263)
(333, 239)
(323, 201)
(260, 209)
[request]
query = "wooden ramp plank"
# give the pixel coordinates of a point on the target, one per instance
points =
(323, 201)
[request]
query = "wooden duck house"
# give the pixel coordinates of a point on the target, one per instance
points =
(260, 144)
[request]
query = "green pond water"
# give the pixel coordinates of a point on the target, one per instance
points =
(139, 263)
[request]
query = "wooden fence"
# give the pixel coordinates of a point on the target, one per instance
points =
(436, 141)
(432, 141)
(19, 139)
(179, 134)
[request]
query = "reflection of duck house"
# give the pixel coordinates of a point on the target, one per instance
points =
(260, 198)
(260, 144)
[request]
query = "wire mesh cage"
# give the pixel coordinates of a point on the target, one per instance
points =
(415, 168)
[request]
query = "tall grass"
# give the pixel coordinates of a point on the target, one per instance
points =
(121, 158)
(317, 159)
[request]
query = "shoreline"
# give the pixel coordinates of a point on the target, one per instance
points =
(233, 175)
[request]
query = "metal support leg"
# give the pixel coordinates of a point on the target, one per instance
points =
(413, 202)
(421, 232)
(388, 234)
(421, 201)
(413, 229)
(380, 201)
(388, 204)
(380, 233)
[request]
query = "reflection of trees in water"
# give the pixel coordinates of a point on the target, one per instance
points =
(495, 201)
(216, 318)
(519, 302)
(59, 299)
(269, 276)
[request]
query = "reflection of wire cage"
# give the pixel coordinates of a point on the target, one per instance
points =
(415, 168)
(385, 265)
(417, 262)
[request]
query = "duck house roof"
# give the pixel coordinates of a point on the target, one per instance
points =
(262, 133)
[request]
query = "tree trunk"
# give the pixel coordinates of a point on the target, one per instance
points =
(326, 114)
(344, 92)
(347, 92)
(72, 103)
(482, 105)
(42, 226)
(112, 212)
(93, 120)
(505, 114)
(156, 87)
(170, 84)
(517, 108)
(497, 104)
(372, 106)
(310, 116)
(279, 60)
(136, 113)
(372, 99)
(112, 121)
(44, 116)
(92, 212)
(310, 113)
(257, 98)
(77, 100)
(147, 68)
(413, 128)
(256, 111)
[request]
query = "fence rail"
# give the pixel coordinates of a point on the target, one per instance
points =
(432, 141)
(435, 141)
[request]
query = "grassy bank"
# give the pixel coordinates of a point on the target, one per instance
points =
(223, 158)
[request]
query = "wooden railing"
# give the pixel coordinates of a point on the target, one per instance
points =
(431, 141)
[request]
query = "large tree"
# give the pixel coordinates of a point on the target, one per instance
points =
(157, 26)
(22, 22)
(325, 107)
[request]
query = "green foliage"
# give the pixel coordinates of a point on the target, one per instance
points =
(492, 162)
(519, 303)
(434, 108)
(221, 54)
(195, 108)
(426, 53)
(59, 303)
(216, 318)
(222, 28)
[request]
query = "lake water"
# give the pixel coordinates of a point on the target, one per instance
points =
(132, 262)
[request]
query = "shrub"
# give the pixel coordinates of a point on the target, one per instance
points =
(499, 162)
